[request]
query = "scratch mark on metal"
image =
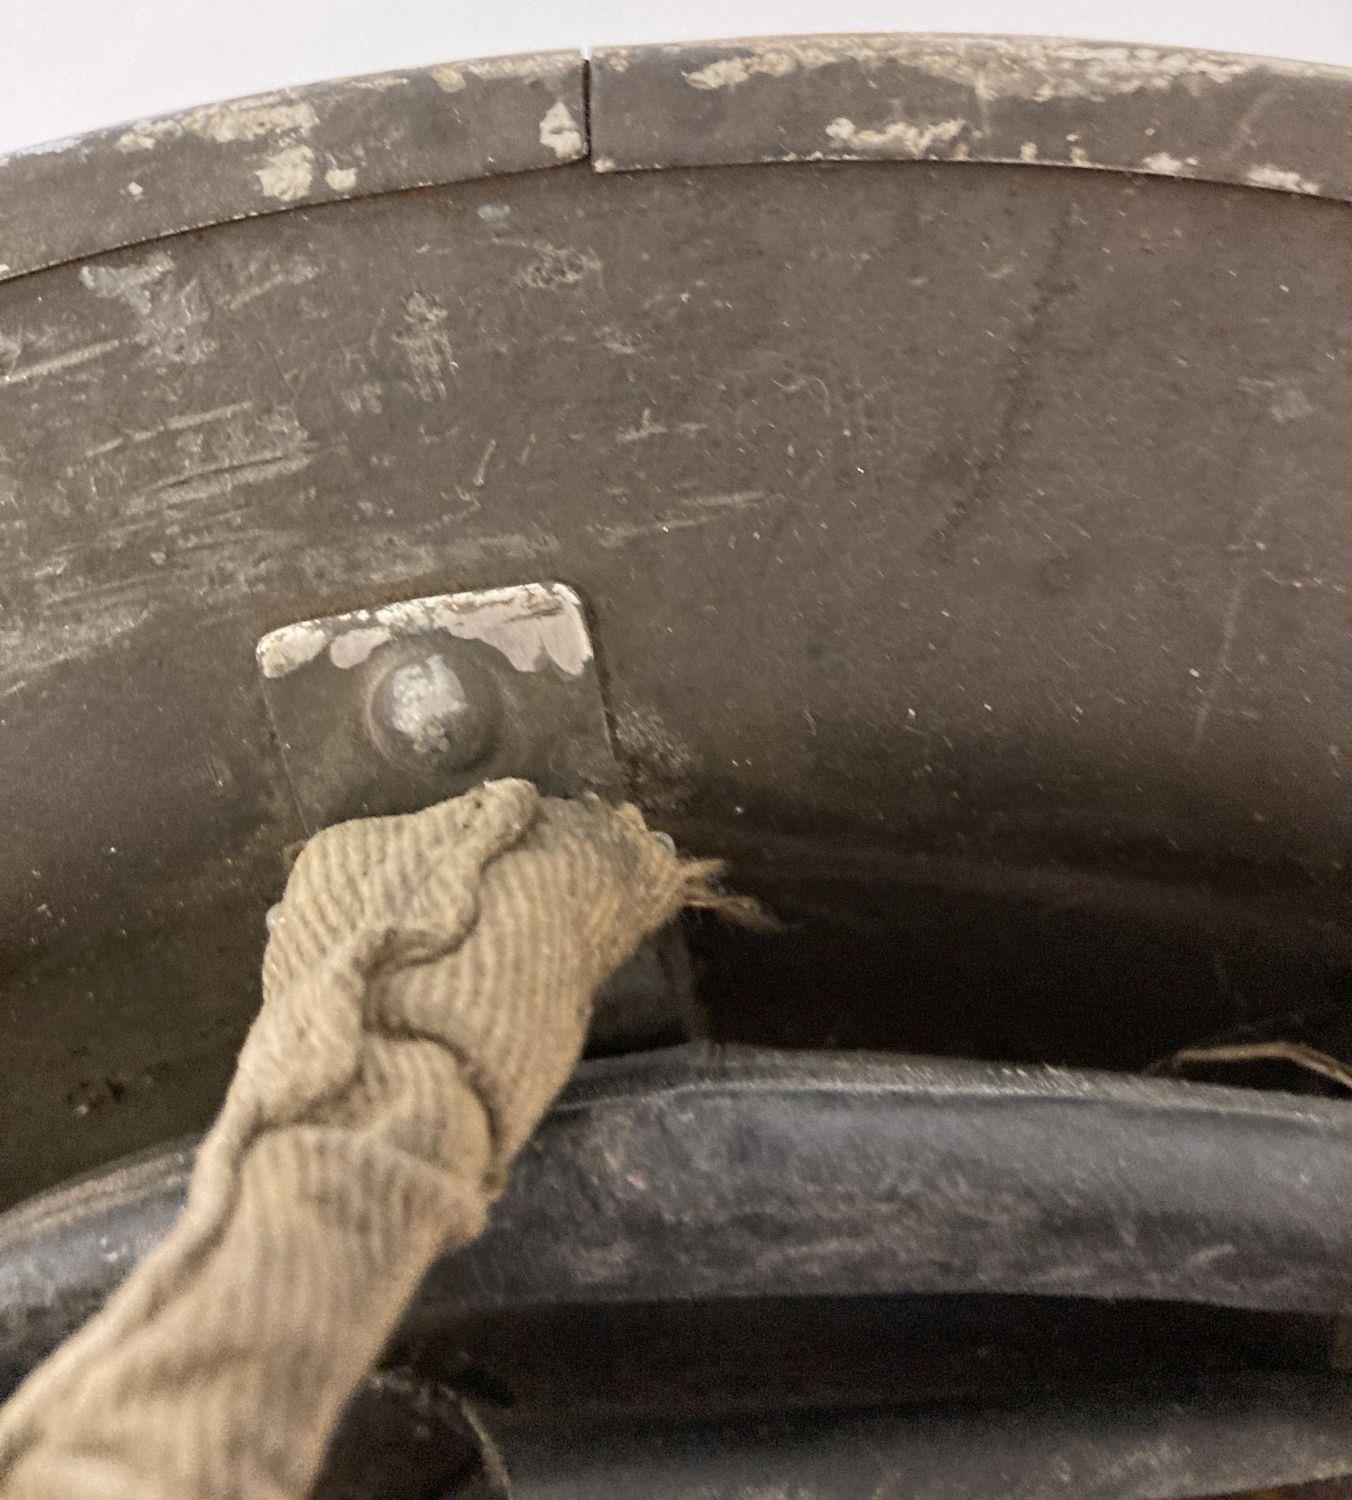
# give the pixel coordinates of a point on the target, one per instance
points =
(481, 473)
(295, 274)
(1221, 667)
(210, 480)
(704, 511)
(21, 374)
(169, 318)
(558, 266)
(1021, 392)
(1234, 606)
(25, 654)
(647, 428)
(201, 418)
(185, 423)
(426, 345)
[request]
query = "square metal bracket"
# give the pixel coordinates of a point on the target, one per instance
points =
(388, 710)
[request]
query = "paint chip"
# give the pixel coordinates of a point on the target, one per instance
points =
(287, 174)
(341, 179)
(1269, 176)
(558, 131)
(730, 72)
(353, 647)
(284, 650)
(911, 138)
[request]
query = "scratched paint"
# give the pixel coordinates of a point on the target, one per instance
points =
(266, 275)
(27, 656)
(557, 266)
(239, 456)
(169, 318)
(426, 345)
(702, 510)
(15, 369)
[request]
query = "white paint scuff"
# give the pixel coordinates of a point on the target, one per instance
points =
(536, 626)
(1268, 176)
(354, 646)
(913, 139)
(731, 72)
(287, 174)
(281, 651)
(271, 116)
(994, 67)
(559, 132)
(380, 83)
(341, 179)
(246, 121)
(452, 78)
(278, 124)
(522, 65)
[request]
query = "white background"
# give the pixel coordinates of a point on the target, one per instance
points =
(72, 65)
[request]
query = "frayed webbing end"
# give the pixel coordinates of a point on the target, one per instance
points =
(704, 891)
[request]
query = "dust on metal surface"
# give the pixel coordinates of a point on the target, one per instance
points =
(385, 710)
